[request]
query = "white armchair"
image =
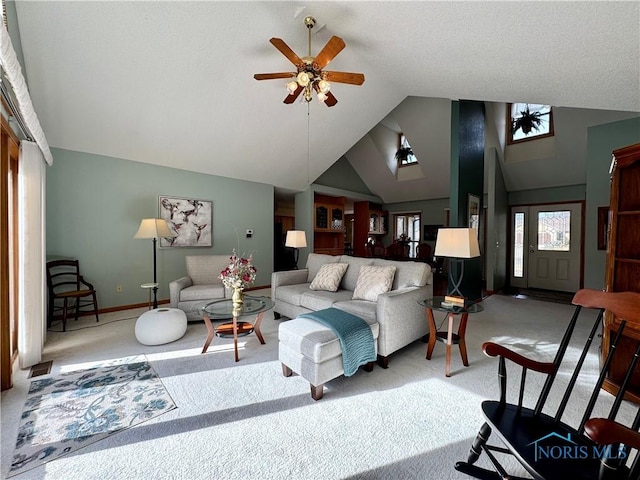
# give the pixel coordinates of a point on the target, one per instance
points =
(201, 283)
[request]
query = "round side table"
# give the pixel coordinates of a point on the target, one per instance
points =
(448, 337)
(150, 287)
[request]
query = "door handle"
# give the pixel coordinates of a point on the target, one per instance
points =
(531, 249)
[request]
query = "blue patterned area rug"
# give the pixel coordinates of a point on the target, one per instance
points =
(69, 411)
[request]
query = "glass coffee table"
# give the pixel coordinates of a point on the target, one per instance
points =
(448, 337)
(223, 310)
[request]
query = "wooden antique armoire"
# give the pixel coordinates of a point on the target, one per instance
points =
(623, 262)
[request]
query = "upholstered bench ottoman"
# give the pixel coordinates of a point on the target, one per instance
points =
(161, 325)
(313, 351)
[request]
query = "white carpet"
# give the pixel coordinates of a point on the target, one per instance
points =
(246, 420)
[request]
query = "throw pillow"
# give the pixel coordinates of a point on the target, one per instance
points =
(315, 261)
(372, 281)
(329, 276)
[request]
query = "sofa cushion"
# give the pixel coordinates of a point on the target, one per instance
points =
(320, 299)
(408, 274)
(372, 281)
(350, 278)
(329, 276)
(291, 294)
(202, 292)
(205, 269)
(360, 308)
(315, 261)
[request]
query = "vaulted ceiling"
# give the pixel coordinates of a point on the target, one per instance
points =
(171, 82)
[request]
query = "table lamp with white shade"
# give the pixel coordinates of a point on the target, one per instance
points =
(458, 244)
(296, 239)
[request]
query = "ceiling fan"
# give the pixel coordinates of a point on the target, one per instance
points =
(309, 75)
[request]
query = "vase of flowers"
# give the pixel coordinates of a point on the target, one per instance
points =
(238, 275)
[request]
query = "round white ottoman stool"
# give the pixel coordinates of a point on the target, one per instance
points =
(161, 325)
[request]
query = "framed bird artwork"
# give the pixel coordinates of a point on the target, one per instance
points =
(189, 219)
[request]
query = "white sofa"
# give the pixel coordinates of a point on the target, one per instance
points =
(401, 319)
(201, 283)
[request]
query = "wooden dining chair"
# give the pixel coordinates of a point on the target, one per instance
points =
(66, 285)
(423, 253)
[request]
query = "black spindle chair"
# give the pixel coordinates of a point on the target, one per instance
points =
(547, 447)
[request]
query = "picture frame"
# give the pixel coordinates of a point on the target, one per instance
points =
(190, 219)
(430, 232)
(473, 211)
(603, 227)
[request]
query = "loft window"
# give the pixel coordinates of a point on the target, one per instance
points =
(528, 121)
(405, 155)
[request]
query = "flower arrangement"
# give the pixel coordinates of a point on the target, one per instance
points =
(240, 273)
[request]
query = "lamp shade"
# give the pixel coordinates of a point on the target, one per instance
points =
(296, 239)
(153, 228)
(457, 243)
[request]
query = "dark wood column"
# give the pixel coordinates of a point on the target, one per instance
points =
(467, 178)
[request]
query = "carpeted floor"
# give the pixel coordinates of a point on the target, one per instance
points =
(246, 420)
(543, 295)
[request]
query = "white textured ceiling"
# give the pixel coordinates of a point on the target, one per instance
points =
(171, 82)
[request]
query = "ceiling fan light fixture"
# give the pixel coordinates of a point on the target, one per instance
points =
(292, 86)
(324, 86)
(303, 79)
(322, 96)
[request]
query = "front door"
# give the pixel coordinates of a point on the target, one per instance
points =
(546, 250)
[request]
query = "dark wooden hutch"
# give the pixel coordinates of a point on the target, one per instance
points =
(623, 261)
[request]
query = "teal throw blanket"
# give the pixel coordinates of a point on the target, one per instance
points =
(354, 334)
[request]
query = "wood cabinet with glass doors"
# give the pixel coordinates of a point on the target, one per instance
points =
(328, 224)
(623, 262)
(369, 220)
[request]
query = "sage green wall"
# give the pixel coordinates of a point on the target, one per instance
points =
(569, 193)
(601, 141)
(94, 208)
(304, 221)
(342, 175)
(497, 212)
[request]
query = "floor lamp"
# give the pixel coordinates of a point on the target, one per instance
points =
(458, 244)
(296, 239)
(154, 228)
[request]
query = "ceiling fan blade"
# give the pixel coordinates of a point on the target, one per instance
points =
(292, 97)
(286, 51)
(333, 47)
(272, 76)
(344, 77)
(331, 100)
